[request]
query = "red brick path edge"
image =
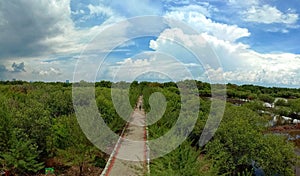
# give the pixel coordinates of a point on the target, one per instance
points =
(112, 158)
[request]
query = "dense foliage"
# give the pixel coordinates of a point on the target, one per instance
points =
(38, 125)
(241, 145)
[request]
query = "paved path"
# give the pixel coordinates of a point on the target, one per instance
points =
(132, 148)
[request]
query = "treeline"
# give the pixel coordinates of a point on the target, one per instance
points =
(232, 90)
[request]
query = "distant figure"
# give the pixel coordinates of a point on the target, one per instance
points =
(140, 107)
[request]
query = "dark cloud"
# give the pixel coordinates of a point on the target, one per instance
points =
(18, 67)
(3, 69)
(26, 24)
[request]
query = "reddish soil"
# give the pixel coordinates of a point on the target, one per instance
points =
(285, 128)
(62, 170)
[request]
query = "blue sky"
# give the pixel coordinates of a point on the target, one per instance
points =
(256, 41)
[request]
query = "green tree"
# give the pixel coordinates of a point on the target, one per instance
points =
(184, 160)
(77, 149)
(240, 140)
(295, 105)
(31, 117)
(6, 125)
(266, 98)
(281, 102)
(283, 110)
(22, 155)
(255, 105)
(276, 156)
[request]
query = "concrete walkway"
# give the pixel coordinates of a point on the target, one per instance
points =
(130, 155)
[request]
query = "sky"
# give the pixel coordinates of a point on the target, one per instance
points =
(254, 41)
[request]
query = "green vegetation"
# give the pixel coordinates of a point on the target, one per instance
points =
(38, 125)
(241, 144)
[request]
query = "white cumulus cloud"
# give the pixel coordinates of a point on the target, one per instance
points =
(268, 14)
(202, 24)
(238, 62)
(100, 10)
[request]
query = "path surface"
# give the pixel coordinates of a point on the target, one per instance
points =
(131, 148)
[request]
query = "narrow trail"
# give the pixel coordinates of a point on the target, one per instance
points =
(131, 147)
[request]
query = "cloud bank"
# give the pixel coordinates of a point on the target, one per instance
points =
(48, 36)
